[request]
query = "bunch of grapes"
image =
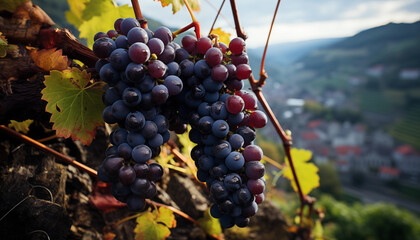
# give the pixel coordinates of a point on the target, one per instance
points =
(223, 119)
(155, 85)
(138, 66)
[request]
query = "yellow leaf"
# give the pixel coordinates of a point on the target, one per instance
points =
(22, 127)
(224, 37)
(306, 172)
(103, 22)
(50, 59)
(75, 14)
(154, 225)
(210, 224)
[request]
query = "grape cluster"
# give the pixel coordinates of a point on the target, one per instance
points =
(155, 85)
(141, 75)
(223, 119)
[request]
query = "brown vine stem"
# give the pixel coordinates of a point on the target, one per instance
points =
(263, 74)
(42, 147)
(235, 14)
(217, 16)
(286, 139)
(139, 15)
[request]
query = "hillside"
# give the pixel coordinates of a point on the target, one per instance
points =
(376, 72)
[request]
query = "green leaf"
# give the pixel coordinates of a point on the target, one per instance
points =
(11, 5)
(76, 106)
(307, 173)
(177, 4)
(22, 127)
(103, 22)
(210, 224)
(155, 225)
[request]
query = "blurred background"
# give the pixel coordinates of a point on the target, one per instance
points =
(344, 77)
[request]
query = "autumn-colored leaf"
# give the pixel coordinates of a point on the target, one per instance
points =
(75, 104)
(11, 5)
(318, 231)
(177, 4)
(50, 59)
(155, 224)
(22, 127)
(306, 172)
(210, 224)
(224, 37)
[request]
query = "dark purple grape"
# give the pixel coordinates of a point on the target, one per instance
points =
(124, 150)
(255, 186)
(188, 43)
(139, 53)
(127, 175)
(99, 35)
(141, 153)
(156, 46)
(155, 172)
(135, 72)
(219, 73)
(164, 34)
(103, 47)
(112, 165)
(137, 34)
(149, 130)
(168, 55)
(140, 186)
(254, 170)
(142, 170)
(232, 182)
(127, 24)
(157, 68)
(213, 56)
(135, 203)
(135, 121)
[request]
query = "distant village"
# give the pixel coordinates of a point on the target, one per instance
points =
(351, 147)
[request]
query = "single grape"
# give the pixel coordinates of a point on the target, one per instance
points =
(118, 136)
(109, 74)
(234, 161)
(127, 175)
(168, 55)
(247, 133)
(218, 110)
(218, 190)
(124, 150)
(149, 130)
(99, 35)
(240, 59)
(222, 149)
(157, 69)
(252, 153)
(135, 121)
(121, 42)
(243, 71)
(259, 198)
(258, 119)
(155, 172)
(236, 141)
(213, 56)
(234, 104)
(255, 186)
(160, 94)
(156, 46)
(202, 69)
(135, 203)
(219, 73)
(142, 170)
(117, 24)
(173, 84)
(237, 46)
(188, 43)
(140, 186)
(220, 128)
(203, 44)
(164, 34)
(131, 96)
(135, 138)
(156, 141)
(254, 169)
(139, 52)
(112, 33)
(135, 72)
(112, 165)
(119, 110)
(103, 47)
(127, 24)
(137, 34)
(141, 153)
(187, 68)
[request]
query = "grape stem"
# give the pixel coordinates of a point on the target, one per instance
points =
(139, 16)
(286, 138)
(195, 22)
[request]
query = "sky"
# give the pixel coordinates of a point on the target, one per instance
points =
(297, 20)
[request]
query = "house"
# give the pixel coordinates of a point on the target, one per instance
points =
(389, 173)
(376, 70)
(407, 160)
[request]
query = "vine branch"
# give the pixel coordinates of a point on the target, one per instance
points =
(10, 132)
(256, 88)
(217, 16)
(139, 15)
